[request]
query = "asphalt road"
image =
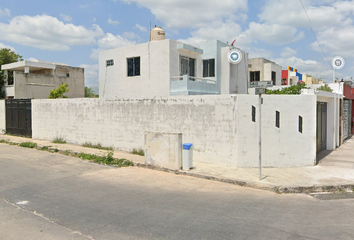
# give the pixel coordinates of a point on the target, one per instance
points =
(51, 196)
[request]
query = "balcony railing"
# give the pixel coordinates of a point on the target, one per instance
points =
(195, 79)
(186, 85)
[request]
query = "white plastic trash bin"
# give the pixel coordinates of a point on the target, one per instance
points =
(187, 156)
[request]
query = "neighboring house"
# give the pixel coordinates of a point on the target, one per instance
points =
(164, 67)
(328, 120)
(35, 79)
(290, 76)
(346, 106)
(309, 80)
(261, 69)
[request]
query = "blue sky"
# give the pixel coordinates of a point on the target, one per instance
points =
(74, 31)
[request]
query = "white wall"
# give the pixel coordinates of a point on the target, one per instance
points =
(154, 79)
(2, 117)
(219, 126)
(234, 77)
(284, 146)
(333, 101)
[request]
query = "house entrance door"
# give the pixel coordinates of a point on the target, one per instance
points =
(321, 132)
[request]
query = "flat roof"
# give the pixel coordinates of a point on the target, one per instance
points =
(32, 65)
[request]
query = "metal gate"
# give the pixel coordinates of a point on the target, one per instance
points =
(19, 117)
(347, 119)
(321, 132)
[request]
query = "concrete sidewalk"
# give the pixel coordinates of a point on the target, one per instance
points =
(335, 172)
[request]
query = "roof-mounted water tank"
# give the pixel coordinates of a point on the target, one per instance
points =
(157, 34)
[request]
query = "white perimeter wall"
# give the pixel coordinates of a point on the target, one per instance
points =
(2, 117)
(220, 127)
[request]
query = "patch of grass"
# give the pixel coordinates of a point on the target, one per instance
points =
(53, 150)
(139, 152)
(59, 140)
(91, 157)
(44, 148)
(2, 141)
(109, 159)
(67, 152)
(28, 144)
(98, 146)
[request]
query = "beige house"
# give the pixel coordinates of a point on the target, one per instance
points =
(309, 80)
(261, 69)
(35, 79)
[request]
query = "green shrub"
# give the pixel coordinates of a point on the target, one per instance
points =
(292, 90)
(59, 140)
(325, 88)
(98, 146)
(28, 145)
(59, 92)
(109, 159)
(139, 152)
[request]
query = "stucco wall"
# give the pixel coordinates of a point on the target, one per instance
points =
(234, 78)
(38, 86)
(2, 117)
(154, 79)
(220, 127)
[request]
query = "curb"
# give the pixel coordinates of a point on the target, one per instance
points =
(266, 187)
(243, 183)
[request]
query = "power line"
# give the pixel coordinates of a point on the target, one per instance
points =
(314, 34)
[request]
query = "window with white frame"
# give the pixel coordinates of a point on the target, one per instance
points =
(133, 66)
(109, 62)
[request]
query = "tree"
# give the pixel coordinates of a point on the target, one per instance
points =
(6, 56)
(59, 92)
(292, 90)
(89, 93)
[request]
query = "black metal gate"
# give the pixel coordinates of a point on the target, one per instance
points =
(19, 117)
(321, 132)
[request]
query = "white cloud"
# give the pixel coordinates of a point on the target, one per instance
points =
(113, 41)
(336, 41)
(91, 75)
(288, 52)
(84, 6)
(46, 32)
(7, 46)
(33, 59)
(66, 18)
(94, 54)
(258, 53)
(193, 14)
(271, 34)
(141, 28)
(110, 41)
(322, 16)
(113, 22)
(311, 67)
(225, 32)
(130, 35)
(5, 12)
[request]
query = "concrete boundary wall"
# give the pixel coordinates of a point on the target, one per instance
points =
(163, 150)
(220, 127)
(2, 117)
